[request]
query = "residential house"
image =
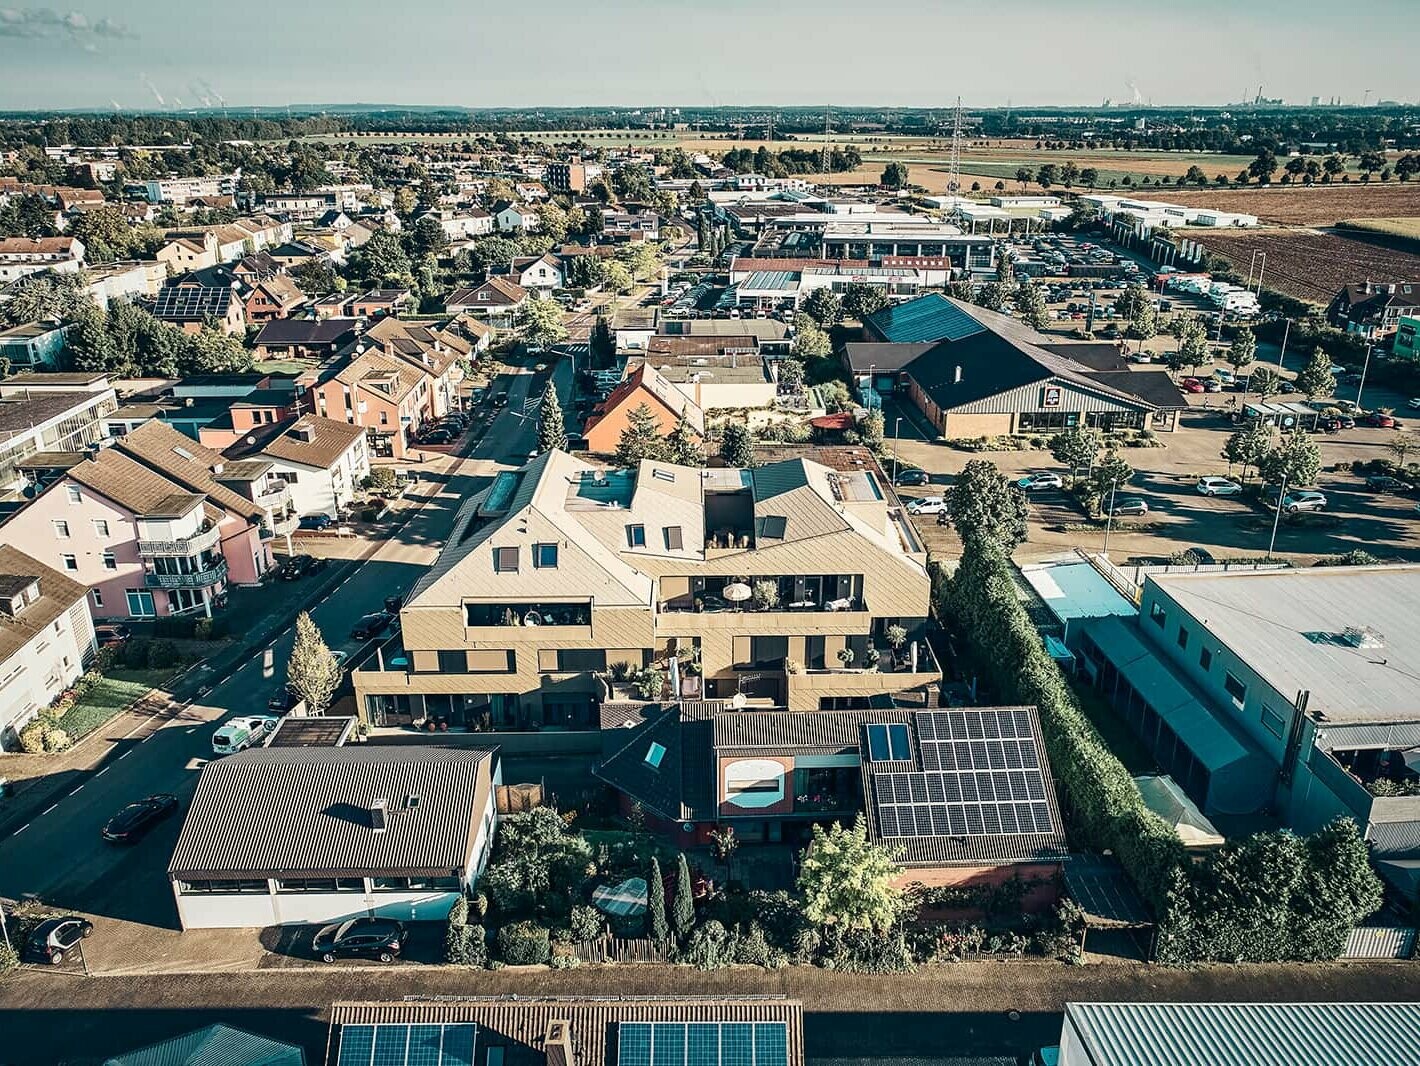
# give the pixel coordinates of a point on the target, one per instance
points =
(386, 395)
(606, 1030)
(292, 253)
(379, 302)
(462, 224)
(570, 177)
(306, 338)
(321, 460)
(561, 569)
(131, 280)
(258, 409)
(46, 639)
(437, 350)
(1258, 1034)
(181, 190)
(497, 299)
(1373, 309)
(189, 305)
(335, 220)
(299, 207)
(290, 836)
(623, 226)
(33, 345)
(975, 373)
(272, 297)
(516, 218)
(718, 373)
(536, 272)
(1277, 690)
(50, 413)
(643, 385)
(188, 250)
(20, 256)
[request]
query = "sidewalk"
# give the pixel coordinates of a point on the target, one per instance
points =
(40, 781)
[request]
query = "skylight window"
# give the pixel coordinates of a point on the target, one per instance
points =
(183, 452)
(888, 743)
(664, 475)
(654, 754)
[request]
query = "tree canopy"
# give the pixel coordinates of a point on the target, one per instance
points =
(846, 879)
(984, 505)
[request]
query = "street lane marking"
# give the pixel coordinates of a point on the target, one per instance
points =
(76, 791)
(126, 754)
(20, 830)
(102, 772)
(48, 809)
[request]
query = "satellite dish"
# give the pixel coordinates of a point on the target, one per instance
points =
(688, 827)
(738, 701)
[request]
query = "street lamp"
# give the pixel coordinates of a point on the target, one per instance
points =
(895, 423)
(1364, 368)
(1109, 517)
(1277, 518)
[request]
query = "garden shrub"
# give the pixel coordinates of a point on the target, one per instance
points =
(866, 951)
(163, 654)
(458, 945)
(710, 947)
(564, 957)
(754, 949)
(586, 923)
(524, 944)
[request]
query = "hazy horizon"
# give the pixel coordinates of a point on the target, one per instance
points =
(163, 55)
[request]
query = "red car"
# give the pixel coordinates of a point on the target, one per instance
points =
(1191, 385)
(1381, 421)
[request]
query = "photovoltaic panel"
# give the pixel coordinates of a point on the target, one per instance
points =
(406, 1045)
(702, 1044)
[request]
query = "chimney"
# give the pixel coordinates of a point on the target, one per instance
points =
(304, 431)
(379, 815)
(557, 1043)
(956, 376)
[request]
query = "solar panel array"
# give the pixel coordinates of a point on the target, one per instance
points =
(191, 301)
(406, 1045)
(702, 1044)
(981, 776)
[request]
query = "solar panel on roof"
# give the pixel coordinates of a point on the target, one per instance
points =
(701, 1044)
(406, 1045)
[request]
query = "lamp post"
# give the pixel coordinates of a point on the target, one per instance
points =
(1365, 366)
(1109, 516)
(895, 423)
(1286, 332)
(1277, 518)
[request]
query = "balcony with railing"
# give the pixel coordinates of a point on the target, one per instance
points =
(773, 593)
(199, 542)
(505, 620)
(282, 525)
(212, 573)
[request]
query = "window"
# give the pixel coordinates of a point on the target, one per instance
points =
(417, 884)
(767, 653)
(61, 529)
(888, 742)
(71, 564)
(1236, 689)
(636, 536)
(100, 528)
(98, 598)
(654, 754)
(1205, 660)
(663, 475)
(1182, 637)
(110, 563)
(204, 888)
(140, 603)
(505, 560)
(545, 556)
(674, 540)
(453, 662)
(1158, 614)
(1273, 721)
(74, 495)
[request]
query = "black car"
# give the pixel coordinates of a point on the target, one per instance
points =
(437, 436)
(913, 476)
(360, 938)
(299, 566)
(55, 938)
(285, 700)
(1382, 483)
(501, 400)
(131, 824)
(371, 626)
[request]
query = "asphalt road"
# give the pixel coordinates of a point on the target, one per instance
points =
(60, 857)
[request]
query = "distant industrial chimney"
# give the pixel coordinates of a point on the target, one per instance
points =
(379, 815)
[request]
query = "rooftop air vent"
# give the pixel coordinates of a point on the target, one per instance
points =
(1363, 637)
(379, 815)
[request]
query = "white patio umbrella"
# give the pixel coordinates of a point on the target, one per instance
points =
(737, 592)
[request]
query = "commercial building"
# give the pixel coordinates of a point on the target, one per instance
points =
(1280, 690)
(1240, 1034)
(975, 373)
(181, 190)
(569, 1031)
(1406, 343)
(46, 639)
(917, 237)
(769, 583)
(280, 836)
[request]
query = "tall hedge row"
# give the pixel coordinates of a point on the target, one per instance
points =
(1269, 897)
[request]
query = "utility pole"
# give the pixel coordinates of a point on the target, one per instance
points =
(1109, 517)
(954, 176)
(1261, 267)
(823, 163)
(1364, 368)
(895, 423)
(1286, 332)
(1277, 518)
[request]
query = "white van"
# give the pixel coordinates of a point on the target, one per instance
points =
(241, 733)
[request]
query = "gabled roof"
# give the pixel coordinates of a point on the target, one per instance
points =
(648, 382)
(131, 484)
(304, 812)
(932, 317)
(308, 332)
(57, 594)
(373, 366)
(158, 446)
(216, 1045)
(284, 440)
(192, 303)
(500, 292)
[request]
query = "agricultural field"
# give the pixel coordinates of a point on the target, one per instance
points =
(1320, 205)
(1308, 264)
(1401, 233)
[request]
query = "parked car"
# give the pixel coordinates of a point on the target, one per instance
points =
(1226, 377)
(131, 824)
(437, 436)
(112, 634)
(238, 734)
(1191, 385)
(913, 476)
(501, 400)
(55, 938)
(1212, 385)
(1303, 501)
(1385, 483)
(1045, 480)
(360, 938)
(283, 701)
(298, 566)
(1381, 420)
(927, 505)
(371, 626)
(1218, 486)
(317, 521)
(1129, 505)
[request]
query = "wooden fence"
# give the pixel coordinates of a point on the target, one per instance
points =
(619, 949)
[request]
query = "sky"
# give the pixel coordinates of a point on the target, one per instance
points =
(143, 54)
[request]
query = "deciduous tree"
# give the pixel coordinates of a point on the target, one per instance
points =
(313, 675)
(984, 505)
(847, 881)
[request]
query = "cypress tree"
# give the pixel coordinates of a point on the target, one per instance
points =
(656, 927)
(683, 912)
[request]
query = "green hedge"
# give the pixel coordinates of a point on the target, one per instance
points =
(1268, 897)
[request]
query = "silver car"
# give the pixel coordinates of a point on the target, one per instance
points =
(1303, 501)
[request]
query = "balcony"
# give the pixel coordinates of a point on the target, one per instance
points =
(193, 545)
(1368, 783)
(276, 495)
(213, 575)
(281, 526)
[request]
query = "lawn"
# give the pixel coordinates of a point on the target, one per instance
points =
(118, 691)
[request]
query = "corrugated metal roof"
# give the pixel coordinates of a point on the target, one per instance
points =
(927, 318)
(216, 1045)
(305, 812)
(1246, 1034)
(519, 1025)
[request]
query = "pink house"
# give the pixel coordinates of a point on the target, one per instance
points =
(146, 543)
